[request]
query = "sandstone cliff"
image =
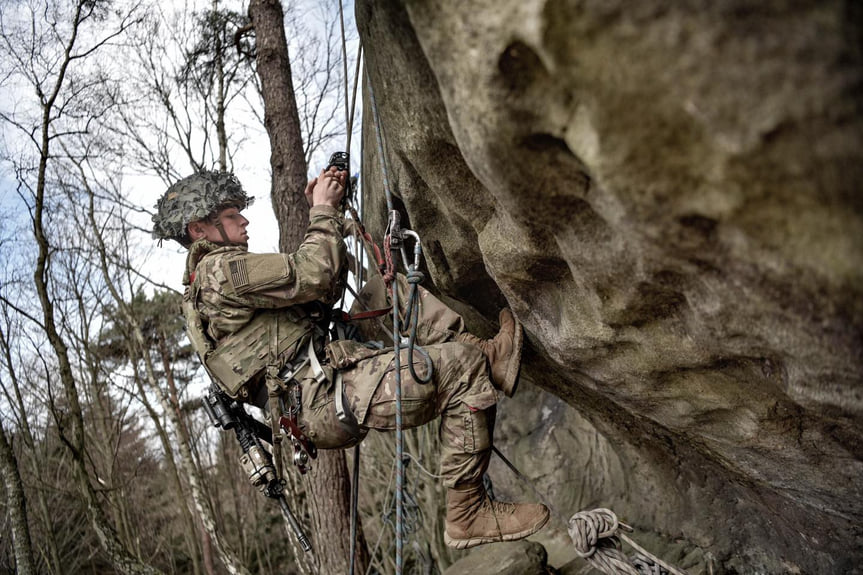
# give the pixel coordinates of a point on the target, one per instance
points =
(667, 195)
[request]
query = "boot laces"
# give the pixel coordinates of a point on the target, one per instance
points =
(498, 507)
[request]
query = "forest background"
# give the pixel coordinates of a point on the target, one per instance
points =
(109, 463)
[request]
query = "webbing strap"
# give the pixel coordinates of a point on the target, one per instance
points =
(317, 370)
(274, 394)
(368, 314)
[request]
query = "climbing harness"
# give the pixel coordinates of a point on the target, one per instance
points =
(304, 448)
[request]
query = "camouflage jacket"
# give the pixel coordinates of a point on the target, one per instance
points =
(235, 285)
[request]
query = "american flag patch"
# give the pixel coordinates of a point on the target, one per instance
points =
(239, 275)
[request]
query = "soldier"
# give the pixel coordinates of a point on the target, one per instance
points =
(253, 318)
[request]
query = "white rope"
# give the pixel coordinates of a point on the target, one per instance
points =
(595, 536)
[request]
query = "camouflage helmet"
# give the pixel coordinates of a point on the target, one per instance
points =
(195, 198)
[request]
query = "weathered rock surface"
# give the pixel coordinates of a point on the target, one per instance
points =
(518, 558)
(667, 196)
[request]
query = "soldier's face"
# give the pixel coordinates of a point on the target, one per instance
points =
(233, 222)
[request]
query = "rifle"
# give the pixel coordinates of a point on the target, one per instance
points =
(225, 413)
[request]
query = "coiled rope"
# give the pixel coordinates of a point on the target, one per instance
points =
(596, 537)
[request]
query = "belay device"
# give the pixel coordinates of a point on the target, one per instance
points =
(225, 413)
(342, 162)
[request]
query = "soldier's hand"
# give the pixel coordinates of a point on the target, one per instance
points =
(309, 188)
(328, 188)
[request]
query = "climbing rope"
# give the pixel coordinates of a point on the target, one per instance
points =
(397, 342)
(393, 245)
(594, 535)
(349, 124)
(597, 540)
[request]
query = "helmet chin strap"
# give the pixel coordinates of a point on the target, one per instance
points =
(225, 240)
(221, 228)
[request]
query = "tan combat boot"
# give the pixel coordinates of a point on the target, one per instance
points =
(503, 352)
(472, 518)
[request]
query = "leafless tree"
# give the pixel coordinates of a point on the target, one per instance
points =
(139, 350)
(190, 75)
(46, 57)
(76, 122)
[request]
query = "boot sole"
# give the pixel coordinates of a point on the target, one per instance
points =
(474, 541)
(513, 366)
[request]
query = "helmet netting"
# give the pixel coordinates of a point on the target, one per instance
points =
(195, 198)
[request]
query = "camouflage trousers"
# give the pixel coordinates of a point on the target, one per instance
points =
(460, 392)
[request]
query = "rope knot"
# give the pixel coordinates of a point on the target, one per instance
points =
(586, 528)
(415, 277)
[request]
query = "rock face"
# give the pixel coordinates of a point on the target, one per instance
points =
(668, 198)
(520, 558)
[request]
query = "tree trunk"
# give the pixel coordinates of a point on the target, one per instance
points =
(207, 543)
(329, 485)
(48, 538)
(16, 504)
(329, 504)
(221, 133)
(185, 437)
(282, 121)
(187, 463)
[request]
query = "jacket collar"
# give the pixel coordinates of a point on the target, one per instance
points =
(201, 248)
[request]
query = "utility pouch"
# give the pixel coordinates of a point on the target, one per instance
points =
(346, 353)
(242, 356)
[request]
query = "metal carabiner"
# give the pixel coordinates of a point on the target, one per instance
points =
(418, 250)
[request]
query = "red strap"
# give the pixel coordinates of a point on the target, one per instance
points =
(291, 427)
(377, 250)
(390, 274)
(367, 237)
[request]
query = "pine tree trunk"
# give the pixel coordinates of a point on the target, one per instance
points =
(282, 121)
(328, 486)
(330, 511)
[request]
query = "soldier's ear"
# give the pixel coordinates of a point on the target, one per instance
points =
(196, 231)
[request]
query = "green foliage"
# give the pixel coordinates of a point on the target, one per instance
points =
(218, 44)
(159, 318)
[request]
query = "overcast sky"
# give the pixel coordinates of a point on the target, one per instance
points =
(252, 162)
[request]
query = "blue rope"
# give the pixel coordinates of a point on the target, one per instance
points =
(400, 471)
(414, 277)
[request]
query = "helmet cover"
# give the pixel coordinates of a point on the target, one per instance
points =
(195, 198)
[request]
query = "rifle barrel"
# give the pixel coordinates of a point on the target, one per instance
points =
(295, 526)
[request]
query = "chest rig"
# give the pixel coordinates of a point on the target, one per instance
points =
(263, 363)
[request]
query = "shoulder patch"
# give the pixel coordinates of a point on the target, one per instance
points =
(239, 274)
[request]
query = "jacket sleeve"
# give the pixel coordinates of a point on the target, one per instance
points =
(279, 280)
